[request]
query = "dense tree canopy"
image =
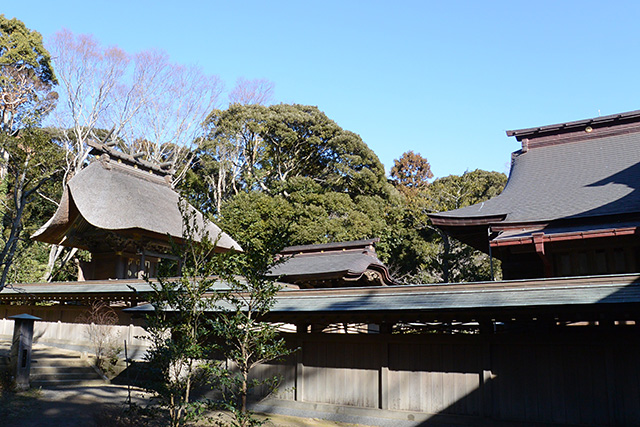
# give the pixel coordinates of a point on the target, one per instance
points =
(26, 76)
(258, 148)
(32, 182)
(310, 217)
(445, 259)
(30, 160)
(266, 168)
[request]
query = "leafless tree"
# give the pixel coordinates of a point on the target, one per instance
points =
(257, 91)
(141, 102)
(100, 320)
(170, 120)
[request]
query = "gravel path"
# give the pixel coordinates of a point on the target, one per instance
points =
(69, 407)
(81, 406)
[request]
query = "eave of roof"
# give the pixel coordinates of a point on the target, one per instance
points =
(630, 116)
(124, 289)
(348, 265)
(334, 246)
(468, 300)
(326, 263)
(591, 294)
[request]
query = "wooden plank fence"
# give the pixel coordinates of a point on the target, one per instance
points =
(586, 377)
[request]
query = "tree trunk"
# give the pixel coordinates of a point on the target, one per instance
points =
(243, 396)
(19, 198)
(54, 254)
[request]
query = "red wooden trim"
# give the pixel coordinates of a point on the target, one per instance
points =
(559, 237)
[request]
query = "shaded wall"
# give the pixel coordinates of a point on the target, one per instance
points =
(585, 376)
(76, 336)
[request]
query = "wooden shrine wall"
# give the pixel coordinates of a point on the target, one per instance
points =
(576, 376)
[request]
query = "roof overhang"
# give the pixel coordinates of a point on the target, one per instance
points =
(443, 220)
(576, 298)
(578, 125)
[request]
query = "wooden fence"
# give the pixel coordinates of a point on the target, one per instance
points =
(573, 376)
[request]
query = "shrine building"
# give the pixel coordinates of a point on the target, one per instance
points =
(124, 212)
(571, 206)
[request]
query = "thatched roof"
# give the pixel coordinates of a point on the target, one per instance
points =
(117, 197)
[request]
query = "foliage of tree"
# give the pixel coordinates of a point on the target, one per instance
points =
(188, 344)
(179, 357)
(414, 250)
(258, 148)
(255, 167)
(450, 260)
(243, 337)
(411, 172)
(30, 161)
(34, 167)
(458, 191)
(311, 214)
(26, 76)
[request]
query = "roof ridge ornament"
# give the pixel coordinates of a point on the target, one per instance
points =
(106, 151)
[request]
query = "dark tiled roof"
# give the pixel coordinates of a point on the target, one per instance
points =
(111, 196)
(594, 292)
(118, 288)
(465, 297)
(582, 179)
(327, 263)
(354, 244)
(333, 264)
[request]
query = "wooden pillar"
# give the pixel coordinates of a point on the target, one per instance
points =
(143, 265)
(383, 376)
(616, 417)
(299, 371)
(486, 376)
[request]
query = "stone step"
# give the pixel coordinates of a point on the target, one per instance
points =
(76, 362)
(52, 367)
(61, 369)
(48, 369)
(66, 382)
(65, 376)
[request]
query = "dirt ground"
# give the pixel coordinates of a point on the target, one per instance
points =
(86, 406)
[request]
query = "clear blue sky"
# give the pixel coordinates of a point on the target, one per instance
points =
(442, 78)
